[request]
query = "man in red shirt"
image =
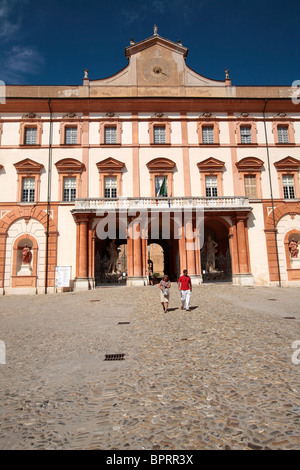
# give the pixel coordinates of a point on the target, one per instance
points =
(185, 288)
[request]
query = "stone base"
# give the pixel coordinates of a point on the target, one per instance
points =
(140, 281)
(25, 270)
(196, 279)
(244, 279)
(82, 283)
(20, 291)
(295, 263)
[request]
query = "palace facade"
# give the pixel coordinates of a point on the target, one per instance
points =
(143, 154)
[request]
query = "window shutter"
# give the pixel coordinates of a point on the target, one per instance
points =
(250, 186)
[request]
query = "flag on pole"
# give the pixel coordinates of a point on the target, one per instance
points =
(163, 188)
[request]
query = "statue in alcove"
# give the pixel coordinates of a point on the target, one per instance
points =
(26, 255)
(293, 247)
(210, 249)
(113, 251)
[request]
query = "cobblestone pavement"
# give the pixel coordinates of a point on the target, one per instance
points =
(223, 376)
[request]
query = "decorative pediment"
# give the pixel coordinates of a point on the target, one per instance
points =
(211, 164)
(28, 166)
(154, 62)
(69, 165)
(155, 40)
(287, 163)
(161, 164)
(250, 164)
(31, 116)
(71, 116)
(110, 165)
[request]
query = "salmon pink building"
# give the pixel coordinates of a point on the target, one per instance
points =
(157, 157)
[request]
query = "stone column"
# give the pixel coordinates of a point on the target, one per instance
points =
(82, 279)
(244, 276)
(242, 245)
(135, 257)
(191, 248)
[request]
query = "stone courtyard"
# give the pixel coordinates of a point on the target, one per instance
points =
(222, 376)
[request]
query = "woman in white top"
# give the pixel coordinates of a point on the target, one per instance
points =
(165, 286)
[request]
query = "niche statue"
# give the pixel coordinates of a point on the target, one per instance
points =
(113, 251)
(210, 248)
(26, 255)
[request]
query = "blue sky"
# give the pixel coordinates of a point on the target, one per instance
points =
(52, 42)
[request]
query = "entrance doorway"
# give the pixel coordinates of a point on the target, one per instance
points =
(215, 253)
(110, 262)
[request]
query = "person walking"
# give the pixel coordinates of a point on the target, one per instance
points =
(185, 288)
(165, 287)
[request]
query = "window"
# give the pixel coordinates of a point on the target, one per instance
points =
(159, 134)
(288, 187)
(211, 186)
(208, 130)
(71, 135)
(69, 189)
(28, 189)
(208, 135)
(30, 136)
(110, 186)
(160, 169)
(161, 185)
(250, 186)
(246, 136)
(110, 135)
(283, 134)
(31, 129)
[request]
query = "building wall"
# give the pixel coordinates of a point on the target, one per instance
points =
(92, 152)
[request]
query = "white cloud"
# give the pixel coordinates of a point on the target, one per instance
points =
(10, 18)
(188, 9)
(16, 60)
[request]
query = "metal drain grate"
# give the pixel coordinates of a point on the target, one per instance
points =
(114, 357)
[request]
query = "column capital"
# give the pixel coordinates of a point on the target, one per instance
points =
(81, 218)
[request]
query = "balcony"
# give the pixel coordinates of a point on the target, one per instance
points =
(162, 204)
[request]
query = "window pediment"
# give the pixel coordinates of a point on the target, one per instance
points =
(161, 164)
(211, 164)
(110, 165)
(69, 165)
(28, 166)
(287, 163)
(250, 164)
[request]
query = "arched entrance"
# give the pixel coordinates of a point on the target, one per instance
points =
(215, 253)
(110, 261)
(163, 248)
(109, 253)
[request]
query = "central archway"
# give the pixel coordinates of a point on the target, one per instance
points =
(217, 230)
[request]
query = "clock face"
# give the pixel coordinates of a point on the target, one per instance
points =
(157, 70)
